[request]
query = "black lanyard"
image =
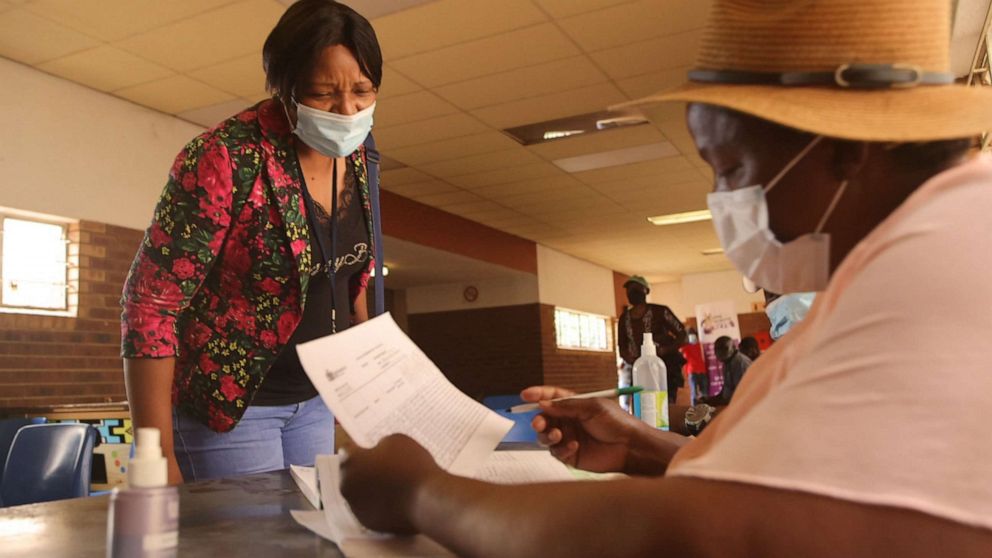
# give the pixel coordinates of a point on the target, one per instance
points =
(330, 262)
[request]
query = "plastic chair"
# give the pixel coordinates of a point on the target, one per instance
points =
(8, 429)
(521, 431)
(48, 462)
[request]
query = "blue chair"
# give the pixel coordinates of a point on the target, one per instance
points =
(48, 462)
(521, 431)
(8, 429)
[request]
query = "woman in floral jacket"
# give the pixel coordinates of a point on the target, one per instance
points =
(236, 267)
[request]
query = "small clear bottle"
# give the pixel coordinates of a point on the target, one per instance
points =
(143, 520)
(650, 373)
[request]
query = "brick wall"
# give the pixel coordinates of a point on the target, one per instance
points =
(55, 360)
(497, 351)
(489, 351)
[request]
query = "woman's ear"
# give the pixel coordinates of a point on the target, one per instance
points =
(849, 158)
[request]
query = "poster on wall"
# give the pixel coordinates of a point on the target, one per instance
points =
(716, 319)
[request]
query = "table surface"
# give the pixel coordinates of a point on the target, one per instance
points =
(245, 516)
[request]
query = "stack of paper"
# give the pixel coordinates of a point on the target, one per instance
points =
(378, 382)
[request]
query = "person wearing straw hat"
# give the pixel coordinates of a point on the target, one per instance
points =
(839, 146)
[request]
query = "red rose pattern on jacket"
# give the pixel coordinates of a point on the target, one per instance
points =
(219, 281)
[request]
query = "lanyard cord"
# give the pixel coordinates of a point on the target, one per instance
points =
(330, 263)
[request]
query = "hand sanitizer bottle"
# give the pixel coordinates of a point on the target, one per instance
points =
(650, 373)
(144, 519)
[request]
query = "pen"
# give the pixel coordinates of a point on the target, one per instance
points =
(591, 395)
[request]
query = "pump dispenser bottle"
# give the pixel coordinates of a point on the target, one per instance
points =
(144, 519)
(650, 373)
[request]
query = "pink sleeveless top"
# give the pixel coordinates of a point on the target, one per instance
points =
(883, 395)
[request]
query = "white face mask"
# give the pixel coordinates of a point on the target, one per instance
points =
(741, 221)
(330, 134)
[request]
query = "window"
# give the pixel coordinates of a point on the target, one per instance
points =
(582, 331)
(33, 266)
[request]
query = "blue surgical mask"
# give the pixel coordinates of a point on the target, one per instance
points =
(330, 134)
(787, 311)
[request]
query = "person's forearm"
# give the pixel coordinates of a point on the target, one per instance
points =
(479, 519)
(149, 393)
(651, 450)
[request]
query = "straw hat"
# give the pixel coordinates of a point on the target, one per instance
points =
(875, 70)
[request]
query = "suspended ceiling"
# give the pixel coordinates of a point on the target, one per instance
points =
(457, 71)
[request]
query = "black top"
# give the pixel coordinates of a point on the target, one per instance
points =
(286, 383)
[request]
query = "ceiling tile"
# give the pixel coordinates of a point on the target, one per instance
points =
(510, 174)
(507, 51)
(600, 141)
(415, 133)
(655, 168)
(197, 42)
(112, 20)
(473, 208)
(174, 94)
(419, 189)
(450, 22)
(484, 162)
(531, 81)
(212, 115)
(549, 107)
(32, 39)
(449, 198)
(395, 83)
(652, 55)
(5, 5)
(414, 107)
(242, 76)
(564, 8)
(509, 189)
(454, 148)
(619, 26)
(399, 177)
(648, 84)
(105, 68)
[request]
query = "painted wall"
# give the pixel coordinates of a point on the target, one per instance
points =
(70, 151)
(682, 297)
(572, 283)
(492, 293)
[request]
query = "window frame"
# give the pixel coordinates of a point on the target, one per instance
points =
(65, 309)
(607, 322)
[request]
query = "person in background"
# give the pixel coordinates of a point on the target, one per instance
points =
(749, 348)
(695, 365)
(735, 364)
(261, 240)
(785, 311)
(667, 332)
(840, 154)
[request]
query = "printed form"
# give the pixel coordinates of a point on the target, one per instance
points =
(378, 382)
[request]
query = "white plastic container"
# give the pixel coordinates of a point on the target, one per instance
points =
(144, 519)
(650, 373)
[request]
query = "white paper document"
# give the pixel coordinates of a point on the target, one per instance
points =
(521, 467)
(306, 479)
(378, 382)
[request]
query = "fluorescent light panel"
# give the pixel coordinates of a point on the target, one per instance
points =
(681, 218)
(712, 252)
(617, 157)
(577, 125)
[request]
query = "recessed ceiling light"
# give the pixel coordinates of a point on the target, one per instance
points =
(617, 157)
(558, 134)
(712, 252)
(680, 218)
(385, 271)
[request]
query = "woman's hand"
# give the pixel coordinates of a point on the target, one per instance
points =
(381, 484)
(590, 434)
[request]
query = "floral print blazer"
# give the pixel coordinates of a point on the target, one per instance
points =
(220, 278)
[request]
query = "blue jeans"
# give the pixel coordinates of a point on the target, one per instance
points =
(266, 439)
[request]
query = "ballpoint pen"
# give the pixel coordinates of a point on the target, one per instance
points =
(591, 395)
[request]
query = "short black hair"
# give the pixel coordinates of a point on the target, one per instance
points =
(748, 343)
(304, 31)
